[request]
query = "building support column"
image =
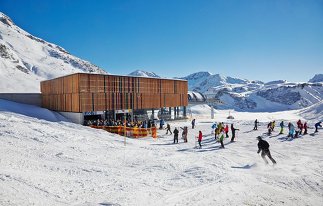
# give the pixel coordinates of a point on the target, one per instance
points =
(177, 112)
(132, 117)
(152, 113)
(184, 112)
(170, 112)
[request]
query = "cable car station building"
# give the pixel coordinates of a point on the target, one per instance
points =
(83, 96)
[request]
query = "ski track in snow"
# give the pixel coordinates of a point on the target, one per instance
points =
(60, 163)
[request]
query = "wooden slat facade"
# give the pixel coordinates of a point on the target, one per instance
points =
(94, 92)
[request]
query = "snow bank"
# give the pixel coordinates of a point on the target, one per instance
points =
(31, 111)
(60, 163)
(313, 113)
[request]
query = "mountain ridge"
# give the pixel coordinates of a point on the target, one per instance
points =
(25, 60)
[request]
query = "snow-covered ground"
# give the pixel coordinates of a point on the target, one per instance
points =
(61, 163)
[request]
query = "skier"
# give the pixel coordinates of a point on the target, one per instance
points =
(161, 124)
(217, 131)
(263, 147)
(168, 129)
(305, 128)
(233, 130)
(273, 123)
(226, 130)
(175, 135)
(200, 139)
(213, 127)
(269, 126)
(301, 126)
(256, 125)
(281, 127)
(317, 125)
(193, 123)
(291, 130)
(221, 138)
(184, 133)
(298, 123)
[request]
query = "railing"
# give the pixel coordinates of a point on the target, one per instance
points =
(134, 132)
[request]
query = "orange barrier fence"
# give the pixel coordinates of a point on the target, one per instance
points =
(130, 131)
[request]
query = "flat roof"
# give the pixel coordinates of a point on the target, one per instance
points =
(117, 76)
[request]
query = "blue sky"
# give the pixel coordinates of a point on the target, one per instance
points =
(253, 39)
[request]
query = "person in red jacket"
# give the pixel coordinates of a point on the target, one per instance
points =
(200, 138)
(301, 127)
(226, 130)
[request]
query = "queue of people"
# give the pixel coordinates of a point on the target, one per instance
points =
(110, 122)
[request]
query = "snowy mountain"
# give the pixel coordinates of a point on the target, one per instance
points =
(202, 81)
(246, 95)
(317, 78)
(25, 60)
(141, 73)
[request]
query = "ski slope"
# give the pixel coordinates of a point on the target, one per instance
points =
(61, 163)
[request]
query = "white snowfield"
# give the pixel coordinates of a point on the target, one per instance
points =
(59, 163)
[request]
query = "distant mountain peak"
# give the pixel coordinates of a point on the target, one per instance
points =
(141, 73)
(317, 78)
(5, 19)
(197, 75)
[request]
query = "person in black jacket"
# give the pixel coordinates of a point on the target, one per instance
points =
(256, 125)
(317, 125)
(233, 130)
(168, 129)
(175, 135)
(263, 146)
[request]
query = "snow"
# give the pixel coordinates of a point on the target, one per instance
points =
(314, 112)
(30, 110)
(61, 163)
(276, 82)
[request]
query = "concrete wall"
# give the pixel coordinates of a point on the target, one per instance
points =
(24, 98)
(74, 117)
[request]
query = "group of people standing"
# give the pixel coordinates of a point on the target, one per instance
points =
(220, 131)
(293, 132)
(176, 132)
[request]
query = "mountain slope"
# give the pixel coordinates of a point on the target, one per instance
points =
(141, 73)
(26, 60)
(317, 78)
(246, 95)
(203, 81)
